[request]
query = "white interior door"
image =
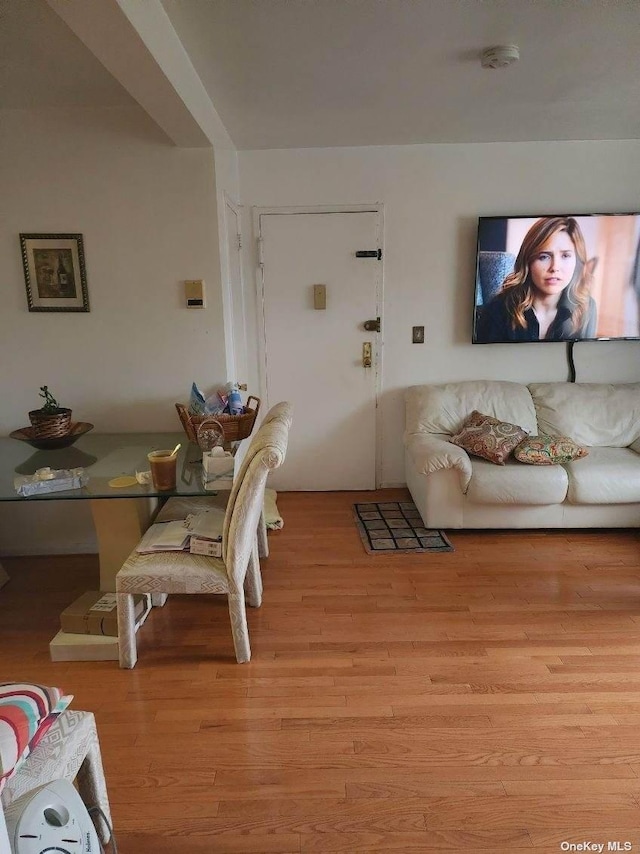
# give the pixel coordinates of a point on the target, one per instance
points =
(313, 357)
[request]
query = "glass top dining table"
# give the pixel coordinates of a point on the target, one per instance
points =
(120, 522)
(104, 457)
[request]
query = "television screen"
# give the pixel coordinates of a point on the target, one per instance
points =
(569, 277)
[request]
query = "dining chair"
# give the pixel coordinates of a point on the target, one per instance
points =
(179, 508)
(236, 573)
(279, 413)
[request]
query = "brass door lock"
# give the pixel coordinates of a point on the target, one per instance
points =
(366, 354)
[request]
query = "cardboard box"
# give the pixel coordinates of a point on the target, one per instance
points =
(74, 647)
(95, 613)
(205, 546)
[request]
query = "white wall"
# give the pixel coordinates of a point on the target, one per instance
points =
(432, 196)
(148, 214)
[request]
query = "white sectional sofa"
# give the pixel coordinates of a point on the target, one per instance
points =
(455, 490)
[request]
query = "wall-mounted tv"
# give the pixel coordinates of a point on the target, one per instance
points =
(568, 277)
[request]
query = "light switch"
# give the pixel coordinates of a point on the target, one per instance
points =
(194, 293)
(320, 297)
(418, 335)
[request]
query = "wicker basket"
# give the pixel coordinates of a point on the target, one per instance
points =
(235, 427)
(50, 425)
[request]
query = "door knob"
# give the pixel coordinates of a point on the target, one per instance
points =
(366, 354)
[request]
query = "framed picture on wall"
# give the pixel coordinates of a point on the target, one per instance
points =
(54, 272)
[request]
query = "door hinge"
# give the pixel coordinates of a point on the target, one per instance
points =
(260, 252)
(369, 253)
(239, 238)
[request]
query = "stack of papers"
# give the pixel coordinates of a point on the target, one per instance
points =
(164, 537)
(199, 533)
(206, 532)
(206, 524)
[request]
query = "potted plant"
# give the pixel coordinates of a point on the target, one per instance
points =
(52, 420)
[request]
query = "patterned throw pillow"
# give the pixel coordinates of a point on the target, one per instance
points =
(546, 450)
(26, 713)
(487, 437)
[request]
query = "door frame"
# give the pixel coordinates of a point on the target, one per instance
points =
(378, 343)
(233, 305)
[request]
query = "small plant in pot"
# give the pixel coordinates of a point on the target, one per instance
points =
(52, 420)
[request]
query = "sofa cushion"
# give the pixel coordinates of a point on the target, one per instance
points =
(606, 476)
(514, 483)
(594, 414)
(548, 450)
(486, 437)
(443, 408)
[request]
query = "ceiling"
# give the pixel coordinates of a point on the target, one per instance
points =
(308, 73)
(43, 64)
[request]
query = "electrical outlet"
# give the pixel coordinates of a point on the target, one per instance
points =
(418, 335)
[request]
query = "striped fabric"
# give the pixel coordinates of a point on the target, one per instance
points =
(26, 713)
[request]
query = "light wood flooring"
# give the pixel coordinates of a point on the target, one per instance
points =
(485, 700)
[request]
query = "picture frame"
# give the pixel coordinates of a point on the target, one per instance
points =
(54, 272)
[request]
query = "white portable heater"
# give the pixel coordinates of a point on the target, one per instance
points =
(51, 818)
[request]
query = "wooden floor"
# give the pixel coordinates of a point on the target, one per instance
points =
(485, 700)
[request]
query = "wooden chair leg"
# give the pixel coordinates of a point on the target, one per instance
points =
(128, 652)
(263, 544)
(253, 580)
(239, 628)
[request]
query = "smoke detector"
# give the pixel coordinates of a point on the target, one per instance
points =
(500, 56)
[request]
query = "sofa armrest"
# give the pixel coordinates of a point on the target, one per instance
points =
(430, 453)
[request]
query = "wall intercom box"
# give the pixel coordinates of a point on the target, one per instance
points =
(194, 293)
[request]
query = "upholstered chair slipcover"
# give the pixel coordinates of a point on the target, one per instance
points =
(280, 413)
(180, 507)
(70, 749)
(238, 570)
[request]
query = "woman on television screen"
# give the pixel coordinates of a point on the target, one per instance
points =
(547, 297)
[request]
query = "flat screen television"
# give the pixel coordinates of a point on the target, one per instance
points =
(565, 277)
